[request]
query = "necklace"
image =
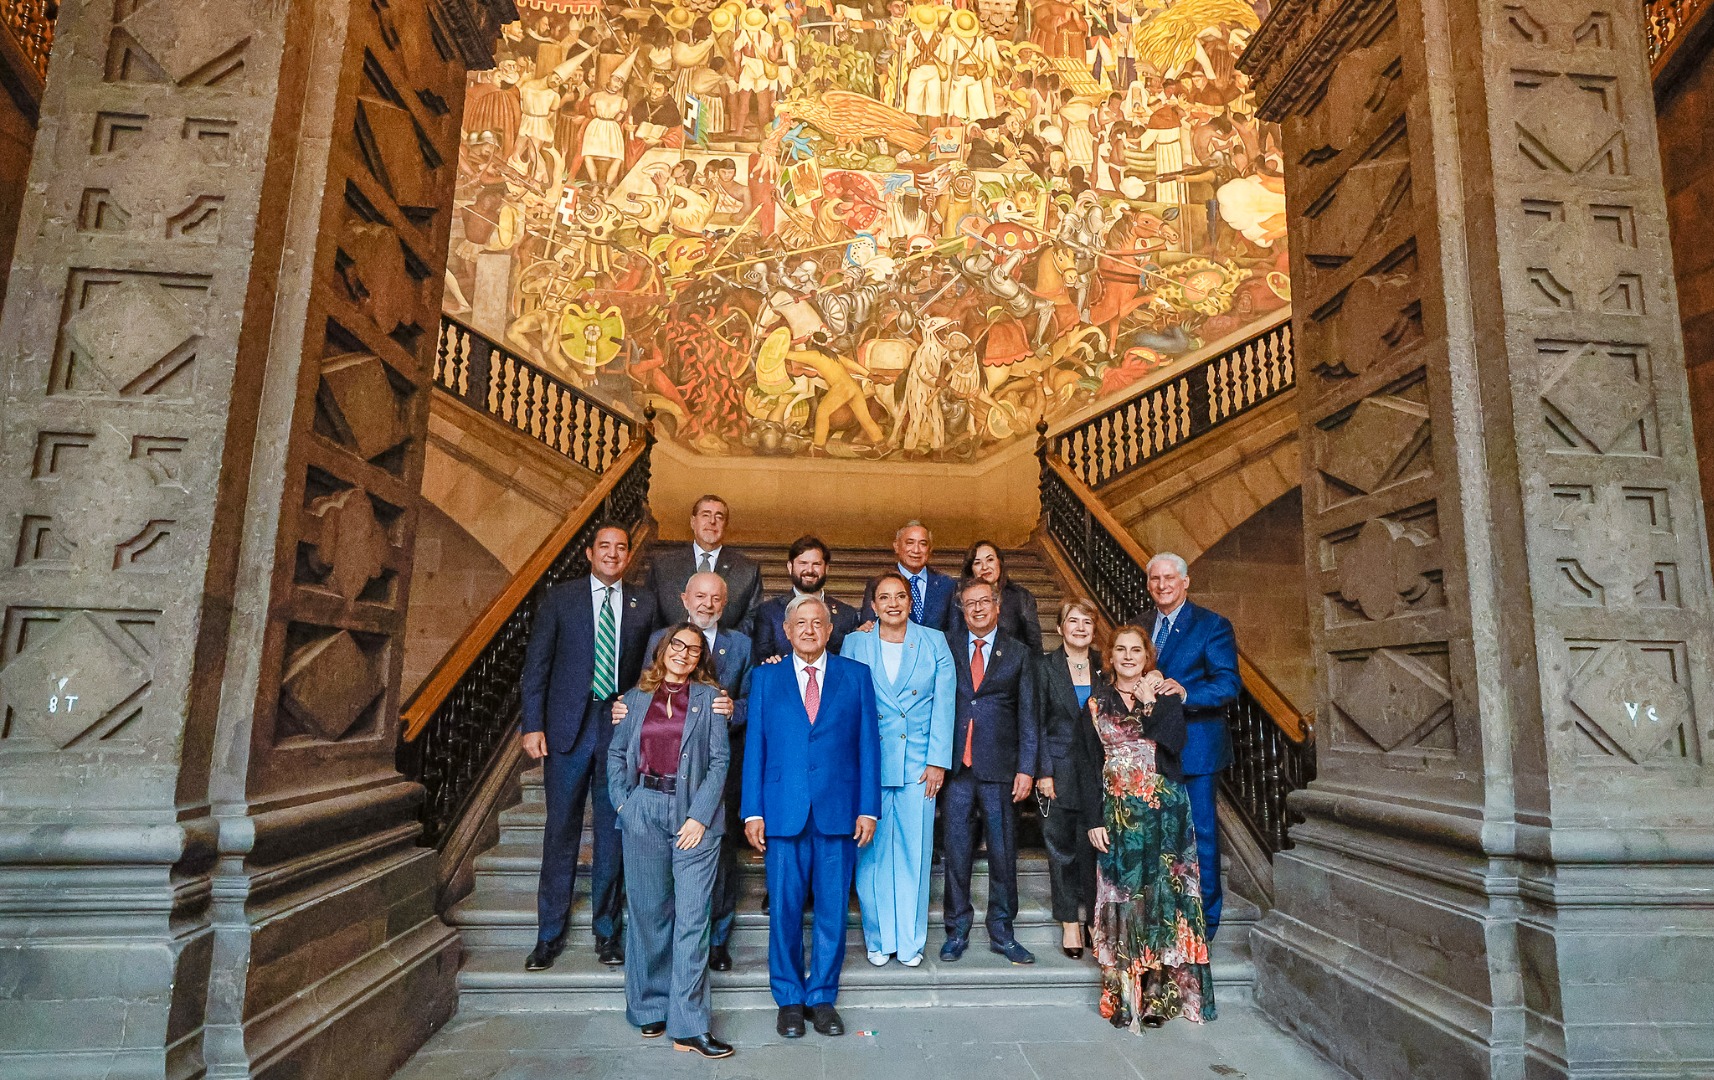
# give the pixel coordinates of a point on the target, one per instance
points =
(671, 692)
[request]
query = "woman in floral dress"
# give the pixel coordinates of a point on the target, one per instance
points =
(1148, 931)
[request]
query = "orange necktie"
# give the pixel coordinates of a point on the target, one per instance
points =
(978, 668)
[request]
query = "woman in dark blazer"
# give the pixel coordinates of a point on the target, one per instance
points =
(1067, 676)
(1018, 616)
(666, 773)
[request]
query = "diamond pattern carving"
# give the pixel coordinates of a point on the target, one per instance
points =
(1392, 697)
(364, 403)
(70, 682)
(401, 167)
(330, 683)
(1382, 433)
(1567, 123)
(1598, 397)
(185, 36)
(128, 329)
(1631, 701)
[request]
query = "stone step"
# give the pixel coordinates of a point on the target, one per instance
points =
(493, 979)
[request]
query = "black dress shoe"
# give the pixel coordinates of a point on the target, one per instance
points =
(1154, 1021)
(544, 954)
(719, 958)
(610, 951)
(1074, 954)
(705, 1044)
(827, 1020)
(954, 948)
(654, 1030)
(790, 1022)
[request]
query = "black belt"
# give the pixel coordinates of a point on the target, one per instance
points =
(667, 785)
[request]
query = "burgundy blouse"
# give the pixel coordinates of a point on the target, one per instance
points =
(663, 730)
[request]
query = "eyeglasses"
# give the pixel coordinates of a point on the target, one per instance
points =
(978, 603)
(680, 648)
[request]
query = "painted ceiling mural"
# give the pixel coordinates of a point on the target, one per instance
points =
(866, 228)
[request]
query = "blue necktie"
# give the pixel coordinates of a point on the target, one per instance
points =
(1162, 627)
(916, 599)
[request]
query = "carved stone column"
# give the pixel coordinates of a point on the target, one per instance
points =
(215, 354)
(1509, 854)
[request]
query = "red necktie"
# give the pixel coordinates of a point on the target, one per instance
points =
(811, 694)
(978, 668)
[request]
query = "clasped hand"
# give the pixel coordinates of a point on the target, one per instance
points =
(722, 705)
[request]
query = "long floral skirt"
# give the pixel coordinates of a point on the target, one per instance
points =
(1149, 935)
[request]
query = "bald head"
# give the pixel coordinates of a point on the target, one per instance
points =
(704, 599)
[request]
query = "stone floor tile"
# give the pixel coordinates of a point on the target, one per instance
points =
(1077, 1061)
(931, 1043)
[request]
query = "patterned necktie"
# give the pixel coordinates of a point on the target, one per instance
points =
(916, 599)
(1162, 627)
(706, 566)
(978, 668)
(811, 694)
(606, 680)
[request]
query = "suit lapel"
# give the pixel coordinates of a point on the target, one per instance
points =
(914, 649)
(1180, 627)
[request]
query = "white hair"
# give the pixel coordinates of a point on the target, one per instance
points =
(913, 523)
(1176, 561)
(799, 601)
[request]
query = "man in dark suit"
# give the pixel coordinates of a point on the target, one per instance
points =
(586, 645)
(996, 739)
(806, 562)
(1197, 652)
(812, 795)
(931, 591)
(707, 552)
(729, 652)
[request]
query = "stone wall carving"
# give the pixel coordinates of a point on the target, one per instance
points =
(1506, 544)
(207, 495)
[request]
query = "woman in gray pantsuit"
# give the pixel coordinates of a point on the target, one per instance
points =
(666, 772)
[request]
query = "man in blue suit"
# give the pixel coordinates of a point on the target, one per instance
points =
(704, 601)
(1198, 654)
(806, 562)
(586, 645)
(931, 591)
(812, 795)
(996, 739)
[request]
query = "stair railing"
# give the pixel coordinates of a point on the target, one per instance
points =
(1273, 745)
(455, 728)
(25, 41)
(492, 379)
(1121, 439)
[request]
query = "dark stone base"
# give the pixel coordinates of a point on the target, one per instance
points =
(370, 1018)
(1400, 959)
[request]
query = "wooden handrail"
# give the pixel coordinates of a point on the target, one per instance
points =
(452, 666)
(1292, 723)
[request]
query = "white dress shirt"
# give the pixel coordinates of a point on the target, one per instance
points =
(1169, 617)
(987, 641)
(713, 557)
(802, 669)
(596, 590)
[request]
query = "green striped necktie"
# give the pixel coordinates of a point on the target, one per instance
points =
(606, 680)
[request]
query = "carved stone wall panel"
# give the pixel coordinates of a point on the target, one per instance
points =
(1612, 502)
(1513, 624)
(334, 651)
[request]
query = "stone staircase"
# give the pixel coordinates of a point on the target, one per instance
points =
(498, 919)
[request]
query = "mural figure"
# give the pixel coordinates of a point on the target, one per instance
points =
(866, 228)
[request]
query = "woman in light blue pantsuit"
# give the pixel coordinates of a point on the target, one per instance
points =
(915, 691)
